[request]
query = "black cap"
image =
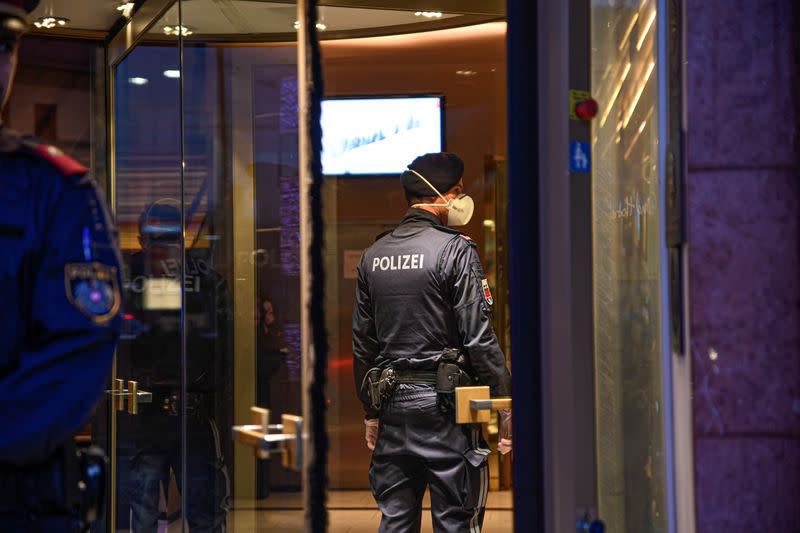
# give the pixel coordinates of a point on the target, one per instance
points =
(442, 169)
(161, 220)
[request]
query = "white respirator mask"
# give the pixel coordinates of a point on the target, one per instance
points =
(459, 210)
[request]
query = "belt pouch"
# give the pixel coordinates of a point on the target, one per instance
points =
(447, 378)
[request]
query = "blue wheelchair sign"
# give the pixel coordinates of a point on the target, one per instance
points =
(580, 157)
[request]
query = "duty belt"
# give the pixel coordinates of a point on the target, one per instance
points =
(379, 384)
(168, 400)
(421, 377)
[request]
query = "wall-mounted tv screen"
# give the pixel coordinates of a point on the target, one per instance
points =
(380, 135)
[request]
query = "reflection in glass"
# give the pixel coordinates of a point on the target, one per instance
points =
(148, 191)
(625, 189)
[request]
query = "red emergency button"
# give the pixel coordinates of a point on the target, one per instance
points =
(587, 109)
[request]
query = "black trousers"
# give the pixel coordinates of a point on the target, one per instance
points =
(419, 446)
(207, 486)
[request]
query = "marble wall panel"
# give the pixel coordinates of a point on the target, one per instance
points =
(747, 484)
(742, 83)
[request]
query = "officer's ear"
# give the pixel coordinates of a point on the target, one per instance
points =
(455, 190)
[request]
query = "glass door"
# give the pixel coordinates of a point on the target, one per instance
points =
(147, 451)
(240, 90)
(627, 267)
(206, 188)
(605, 361)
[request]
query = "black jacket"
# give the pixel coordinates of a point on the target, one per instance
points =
(420, 289)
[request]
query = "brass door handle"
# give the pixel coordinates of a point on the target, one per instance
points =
(473, 405)
(134, 396)
(285, 438)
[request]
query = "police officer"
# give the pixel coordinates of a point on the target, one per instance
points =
(60, 287)
(422, 301)
(152, 355)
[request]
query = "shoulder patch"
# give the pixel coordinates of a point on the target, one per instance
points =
(64, 163)
(93, 289)
(487, 293)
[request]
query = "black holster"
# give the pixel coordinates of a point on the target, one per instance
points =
(379, 385)
(71, 483)
(451, 374)
(93, 471)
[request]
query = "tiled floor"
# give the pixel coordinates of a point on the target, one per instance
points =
(354, 499)
(343, 521)
(349, 512)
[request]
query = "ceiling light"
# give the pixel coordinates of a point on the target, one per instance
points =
(174, 74)
(49, 23)
(321, 26)
(466, 73)
(429, 14)
(178, 29)
(138, 81)
(126, 8)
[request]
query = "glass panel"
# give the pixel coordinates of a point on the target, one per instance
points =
(241, 204)
(147, 162)
(631, 462)
(390, 56)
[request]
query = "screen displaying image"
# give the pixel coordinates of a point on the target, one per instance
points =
(378, 135)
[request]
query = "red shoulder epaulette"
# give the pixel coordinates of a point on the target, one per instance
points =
(64, 163)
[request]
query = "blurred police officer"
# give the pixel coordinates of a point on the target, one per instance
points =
(152, 355)
(423, 305)
(59, 281)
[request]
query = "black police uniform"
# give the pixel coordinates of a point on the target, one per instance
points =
(60, 287)
(421, 289)
(151, 354)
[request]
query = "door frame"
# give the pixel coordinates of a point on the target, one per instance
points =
(117, 47)
(548, 400)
